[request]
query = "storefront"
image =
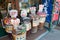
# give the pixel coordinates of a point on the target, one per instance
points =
(32, 8)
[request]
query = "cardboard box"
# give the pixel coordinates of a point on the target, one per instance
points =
(9, 28)
(19, 37)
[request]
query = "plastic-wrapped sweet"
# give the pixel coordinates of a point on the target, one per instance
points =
(27, 23)
(7, 20)
(23, 13)
(41, 6)
(13, 13)
(15, 22)
(35, 20)
(33, 10)
(26, 19)
(42, 16)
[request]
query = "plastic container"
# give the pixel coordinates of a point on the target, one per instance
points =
(35, 24)
(42, 18)
(28, 26)
(19, 30)
(27, 23)
(41, 22)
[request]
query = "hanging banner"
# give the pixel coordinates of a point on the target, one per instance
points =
(55, 17)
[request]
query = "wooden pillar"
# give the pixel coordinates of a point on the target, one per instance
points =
(17, 5)
(13, 3)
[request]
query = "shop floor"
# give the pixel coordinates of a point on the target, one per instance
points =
(35, 35)
(57, 27)
(53, 35)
